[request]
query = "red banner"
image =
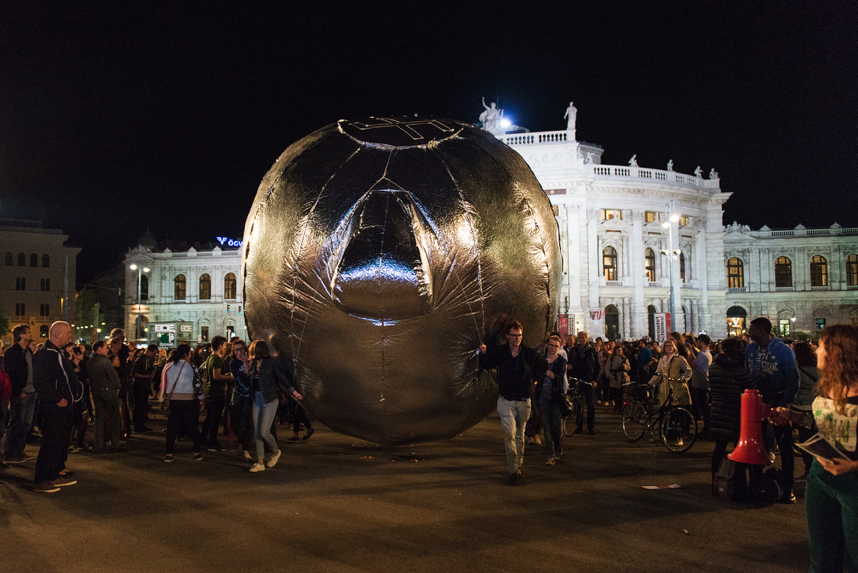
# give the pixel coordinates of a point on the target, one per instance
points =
(564, 326)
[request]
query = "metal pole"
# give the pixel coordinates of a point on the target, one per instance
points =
(66, 293)
(139, 287)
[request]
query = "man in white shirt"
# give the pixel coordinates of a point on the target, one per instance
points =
(700, 381)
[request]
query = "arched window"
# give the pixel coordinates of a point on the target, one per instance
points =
(818, 271)
(682, 266)
(22, 260)
(852, 270)
(783, 272)
(20, 283)
(9, 259)
(34, 260)
(609, 263)
(205, 287)
(43, 331)
(46, 261)
(179, 286)
(612, 322)
(144, 287)
(735, 273)
(229, 285)
(649, 257)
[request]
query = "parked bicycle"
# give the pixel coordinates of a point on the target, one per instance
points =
(575, 402)
(675, 425)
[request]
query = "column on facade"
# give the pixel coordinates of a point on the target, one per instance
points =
(835, 264)
(593, 255)
(678, 321)
(639, 326)
(573, 247)
(627, 317)
(704, 316)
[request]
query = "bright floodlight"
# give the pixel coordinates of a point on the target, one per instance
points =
(665, 224)
(505, 122)
(674, 218)
(145, 269)
(133, 267)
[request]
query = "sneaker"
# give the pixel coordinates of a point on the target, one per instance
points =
(257, 467)
(513, 479)
(73, 449)
(64, 481)
(309, 433)
(215, 448)
(247, 457)
(45, 487)
(788, 497)
(272, 461)
(68, 474)
(143, 430)
(198, 457)
(679, 442)
(551, 461)
(18, 458)
(168, 459)
(537, 441)
(591, 432)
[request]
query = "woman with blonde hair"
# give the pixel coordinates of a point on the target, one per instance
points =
(266, 376)
(831, 496)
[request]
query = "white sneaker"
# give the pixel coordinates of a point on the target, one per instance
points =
(272, 461)
(257, 467)
(551, 461)
(246, 456)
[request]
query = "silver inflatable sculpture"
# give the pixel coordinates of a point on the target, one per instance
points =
(380, 253)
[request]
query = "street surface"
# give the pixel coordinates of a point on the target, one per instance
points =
(337, 504)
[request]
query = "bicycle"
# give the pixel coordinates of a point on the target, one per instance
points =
(677, 427)
(575, 402)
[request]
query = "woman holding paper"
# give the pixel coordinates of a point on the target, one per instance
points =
(831, 498)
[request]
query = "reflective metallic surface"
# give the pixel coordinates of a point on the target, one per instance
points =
(380, 253)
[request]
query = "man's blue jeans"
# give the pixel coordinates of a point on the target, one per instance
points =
(514, 415)
(20, 422)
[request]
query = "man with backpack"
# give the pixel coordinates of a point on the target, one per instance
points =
(19, 366)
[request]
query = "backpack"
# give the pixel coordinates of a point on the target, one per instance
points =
(729, 481)
(769, 488)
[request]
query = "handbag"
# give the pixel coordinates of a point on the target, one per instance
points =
(165, 405)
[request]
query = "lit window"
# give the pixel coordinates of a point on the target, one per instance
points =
(652, 216)
(205, 287)
(683, 221)
(650, 265)
(820, 323)
(818, 271)
(852, 270)
(608, 214)
(783, 272)
(735, 273)
(609, 263)
(179, 286)
(229, 285)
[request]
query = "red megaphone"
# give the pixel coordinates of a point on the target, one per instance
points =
(751, 448)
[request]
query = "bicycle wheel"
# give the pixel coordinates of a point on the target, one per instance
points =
(678, 430)
(572, 423)
(635, 420)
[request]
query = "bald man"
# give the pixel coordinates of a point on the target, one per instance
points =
(57, 387)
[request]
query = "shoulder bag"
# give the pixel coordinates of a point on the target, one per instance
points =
(165, 405)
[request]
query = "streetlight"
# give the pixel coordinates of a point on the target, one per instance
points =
(671, 217)
(140, 271)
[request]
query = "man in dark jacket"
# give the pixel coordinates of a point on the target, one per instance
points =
(104, 384)
(19, 366)
(58, 388)
(583, 365)
(518, 367)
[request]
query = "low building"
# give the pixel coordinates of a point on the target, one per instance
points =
(37, 276)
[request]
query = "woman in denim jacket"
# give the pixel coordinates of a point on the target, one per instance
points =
(266, 376)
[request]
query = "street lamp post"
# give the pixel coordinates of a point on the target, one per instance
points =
(140, 271)
(671, 218)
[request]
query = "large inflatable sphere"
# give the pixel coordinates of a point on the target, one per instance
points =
(379, 254)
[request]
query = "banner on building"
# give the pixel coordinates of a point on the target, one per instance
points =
(563, 325)
(597, 314)
(662, 326)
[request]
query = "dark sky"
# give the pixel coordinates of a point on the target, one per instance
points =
(119, 116)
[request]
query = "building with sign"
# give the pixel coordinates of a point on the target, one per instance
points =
(187, 296)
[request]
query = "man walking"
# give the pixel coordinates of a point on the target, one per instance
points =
(518, 367)
(104, 384)
(215, 393)
(19, 365)
(700, 381)
(57, 387)
(583, 365)
(775, 374)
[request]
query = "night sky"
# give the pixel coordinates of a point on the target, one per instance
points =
(119, 116)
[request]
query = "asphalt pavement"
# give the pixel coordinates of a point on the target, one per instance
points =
(337, 504)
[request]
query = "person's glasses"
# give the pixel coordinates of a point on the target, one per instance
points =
(511, 335)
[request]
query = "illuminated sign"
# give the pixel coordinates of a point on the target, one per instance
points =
(228, 242)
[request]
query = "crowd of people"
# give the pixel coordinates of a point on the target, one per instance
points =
(62, 388)
(809, 386)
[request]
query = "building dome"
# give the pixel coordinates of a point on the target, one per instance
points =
(148, 240)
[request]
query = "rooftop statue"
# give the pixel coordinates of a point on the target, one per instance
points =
(633, 162)
(491, 117)
(698, 172)
(670, 165)
(571, 114)
(713, 174)
(589, 159)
